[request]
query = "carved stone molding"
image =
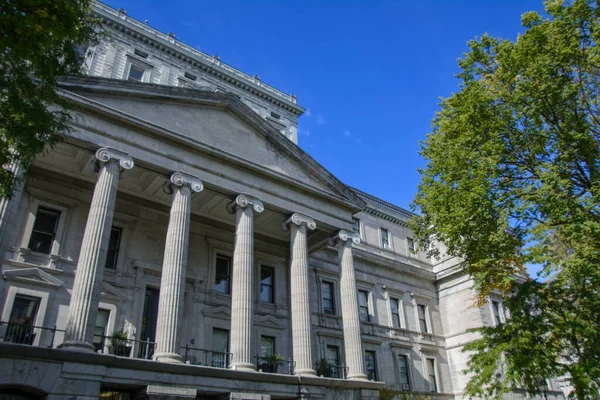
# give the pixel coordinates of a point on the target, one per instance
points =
(344, 236)
(299, 219)
(106, 154)
(180, 179)
(243, 200)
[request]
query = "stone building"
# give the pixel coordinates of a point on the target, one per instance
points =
(179, 240)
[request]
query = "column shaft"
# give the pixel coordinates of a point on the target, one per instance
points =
(83, 308)
(350, 315)
(243, 282)
(172, 283)
(301, 326)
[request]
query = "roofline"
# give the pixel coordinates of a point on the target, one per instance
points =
(213, 65)
(382, 204)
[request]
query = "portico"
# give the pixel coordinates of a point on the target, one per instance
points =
(257, 211)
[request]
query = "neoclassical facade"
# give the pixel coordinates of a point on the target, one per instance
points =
(179, 244)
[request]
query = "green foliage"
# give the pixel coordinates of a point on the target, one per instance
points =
(513, 179)
(39, 42)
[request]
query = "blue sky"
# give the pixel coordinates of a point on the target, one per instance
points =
(370, 73)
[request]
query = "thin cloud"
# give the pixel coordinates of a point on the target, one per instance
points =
(304, 132)
(319, 120)
(347, 133)
(307, 112)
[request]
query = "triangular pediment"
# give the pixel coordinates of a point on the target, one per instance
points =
(109, 292)
(268, 321)
(218, 122)
(221, 312)
(33, 276)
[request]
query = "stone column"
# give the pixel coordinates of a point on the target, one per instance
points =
(298, 224)
(172, 283)
(8, 208)
(350, 318)
(92, 257)
(242, 281)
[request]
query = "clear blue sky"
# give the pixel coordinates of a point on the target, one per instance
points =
(370, 73)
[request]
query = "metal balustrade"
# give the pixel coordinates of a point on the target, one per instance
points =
(268, 365)
(31, 335)
(208, 358)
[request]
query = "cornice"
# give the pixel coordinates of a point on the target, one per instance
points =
(167, 43)
(382, 209)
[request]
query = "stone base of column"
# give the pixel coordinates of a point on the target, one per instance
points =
(77, 346)
(358, 377)
(305, 372)
(243, 367)
(173, 358)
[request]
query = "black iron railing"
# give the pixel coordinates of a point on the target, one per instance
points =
(329, 370)
(28, 334)
(122, 347)
(209, 358)
(275, 366)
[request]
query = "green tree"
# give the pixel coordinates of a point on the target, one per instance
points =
(512, 179)
(40, 41)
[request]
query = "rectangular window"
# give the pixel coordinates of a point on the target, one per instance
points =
(363, 306)
(21, 325)
(403, 367)
(275, 115)
(267, 346)
(385, 238)
(100, 329)
(422, 311)
(136, 73)
(327, 293)
(431, 375)
(266, 284)
(356, 225)
(395, 308)
(44, 230)
(333, 360)
(498, 312)
(223, 274)
(371, 364)
(113, 248)
(220, 347)
(412, 246)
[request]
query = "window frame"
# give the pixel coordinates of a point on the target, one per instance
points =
(44, 296)
(34, 204)
(271, 286)
(52, 235)
(407, 361)
(501, 317)
(356, 223)
(228, 346)
(412, 250)
(374, 369)
(385, 246)
(399, 314)
(273, 342)
(366, 306)
(331, 284)
(431, 362)
(425, 319)
(214, 280)
(118, 249)
(139, 62)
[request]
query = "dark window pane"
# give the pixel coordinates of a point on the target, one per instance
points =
(422, 318)
(113, 248)
(394, 305)
(135, 73)
(222, 275)
(327, 293)
(100, 329)
(267, 346)
(363, 305)
(266, 284)
(356, 225)
(403, 367)
(370, 362)
(220, 346)
(44, 230)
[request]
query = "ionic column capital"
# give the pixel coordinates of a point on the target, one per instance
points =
(180, 179)
(244, 200)
(345, 237)
(107, 154)
(299, 219)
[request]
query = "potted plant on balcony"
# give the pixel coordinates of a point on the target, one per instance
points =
(271, 362)
(118, 344)
(323, 368)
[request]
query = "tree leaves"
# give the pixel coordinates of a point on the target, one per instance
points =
(40, 41)
(512, 179)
